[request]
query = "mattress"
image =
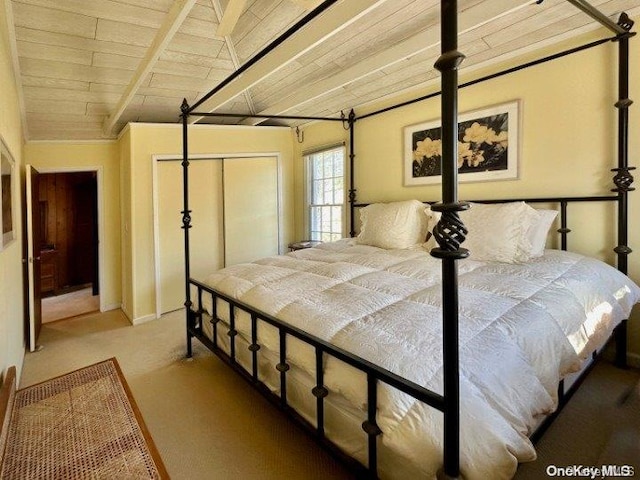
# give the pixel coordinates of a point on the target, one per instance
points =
(523, 327)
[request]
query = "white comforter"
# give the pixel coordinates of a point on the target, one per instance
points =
(522, 327)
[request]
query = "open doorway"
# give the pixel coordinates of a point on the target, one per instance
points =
(68, 222)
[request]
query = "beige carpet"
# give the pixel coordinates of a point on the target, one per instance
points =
(594, 429)
(209, 424)
(69, 305)
(206, 421)
(81, 425)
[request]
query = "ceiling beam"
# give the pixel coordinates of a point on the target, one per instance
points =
(334, 19)
(598, 16)
(469, 19)
(217, 8)
(165, 33)
(230, 17)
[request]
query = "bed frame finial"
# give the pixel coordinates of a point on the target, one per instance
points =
(623, 179)
(625, 22)
(450, 232)
(184, 108)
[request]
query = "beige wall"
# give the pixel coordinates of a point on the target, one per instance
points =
(568, 146)
(147, 140)
(124, 145)
(103, 157)
(12, 339)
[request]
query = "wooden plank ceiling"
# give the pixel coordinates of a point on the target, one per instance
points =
(87, 67)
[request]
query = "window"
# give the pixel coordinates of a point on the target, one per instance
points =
(325, 194)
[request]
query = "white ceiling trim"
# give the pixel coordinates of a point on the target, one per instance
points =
(13, 46)
(468, 20)
(169, 27)
(208, 126)
(74, 142)
(334, 19)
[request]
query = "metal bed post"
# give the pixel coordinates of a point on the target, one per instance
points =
(450, 233)
(186, 221)
(623, 178)
(563, 230)
(352, 188)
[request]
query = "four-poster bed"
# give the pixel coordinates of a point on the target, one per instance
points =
(268, 340)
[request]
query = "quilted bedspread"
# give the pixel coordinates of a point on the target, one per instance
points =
(522, 327)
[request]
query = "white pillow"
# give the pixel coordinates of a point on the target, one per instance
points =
(433, 219)
(393, 225)
(498, 232)
(539, 230)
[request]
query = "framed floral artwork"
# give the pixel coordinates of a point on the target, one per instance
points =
(6, 187)
(487, 147)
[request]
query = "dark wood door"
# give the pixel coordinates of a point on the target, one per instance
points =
(70, 227)
(83, 235)
(34, 242)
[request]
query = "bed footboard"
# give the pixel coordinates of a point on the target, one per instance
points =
(238, 334)
(323, 350)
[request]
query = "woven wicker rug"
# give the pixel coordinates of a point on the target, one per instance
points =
(82, 425)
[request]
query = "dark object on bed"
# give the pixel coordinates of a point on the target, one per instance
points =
(304, 244)
(450, 235)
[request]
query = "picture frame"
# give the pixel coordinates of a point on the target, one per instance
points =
(7, 210)
(488, 147)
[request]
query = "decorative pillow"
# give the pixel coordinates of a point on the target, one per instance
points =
(539, 230)
(393, 225)
(499, 232)
(433, 218)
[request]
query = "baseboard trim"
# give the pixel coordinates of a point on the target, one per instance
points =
(145, 319)
(633, 359)
(113, 306)
(126, 314)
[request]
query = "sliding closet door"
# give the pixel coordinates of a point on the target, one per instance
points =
(206, 235)
(250, 209)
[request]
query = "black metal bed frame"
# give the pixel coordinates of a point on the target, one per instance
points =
(449, 233)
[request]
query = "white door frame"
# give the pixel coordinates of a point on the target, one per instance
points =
(155, 159)
(31, 273)
(99, 179)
